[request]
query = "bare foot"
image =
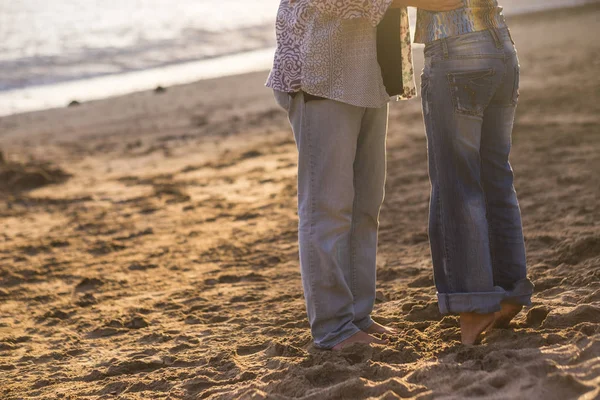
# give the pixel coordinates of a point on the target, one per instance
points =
(378, 328)
(472, 325)
(358, 337)
(504, 316)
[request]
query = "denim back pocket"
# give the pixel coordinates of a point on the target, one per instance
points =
(471, 91)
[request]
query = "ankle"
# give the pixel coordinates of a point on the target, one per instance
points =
(472, 325)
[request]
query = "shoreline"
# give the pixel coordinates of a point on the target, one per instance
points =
(57, 95)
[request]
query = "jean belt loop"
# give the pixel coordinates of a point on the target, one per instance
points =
(445, 48)
(510, 36)
(496, 36)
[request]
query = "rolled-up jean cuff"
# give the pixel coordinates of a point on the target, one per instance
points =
(349, 330)
(485, 302)
(521, 293)
(478, 302)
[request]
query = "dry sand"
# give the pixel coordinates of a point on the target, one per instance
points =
(148, 248)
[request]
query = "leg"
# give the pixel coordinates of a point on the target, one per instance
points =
(504, 216)
(326, 134)
(458, 223)
(458, 227)
(369, 182)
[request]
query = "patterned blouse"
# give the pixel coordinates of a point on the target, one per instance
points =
(328, 48)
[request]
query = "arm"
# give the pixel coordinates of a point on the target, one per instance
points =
(373, 10)
(429, 5)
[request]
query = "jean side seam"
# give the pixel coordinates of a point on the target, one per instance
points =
(353, 223)
(353, 241)
(440, 211)
(307, 124)
(489, 218)
(438, 207)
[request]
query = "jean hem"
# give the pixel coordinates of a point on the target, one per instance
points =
(477, 302)
(485, 302)
(365, 325)
(524, 300)
(330, 344)
(521, 293)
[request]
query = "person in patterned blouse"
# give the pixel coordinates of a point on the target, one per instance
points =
(337, 65)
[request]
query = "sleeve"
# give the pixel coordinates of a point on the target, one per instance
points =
(372, 10)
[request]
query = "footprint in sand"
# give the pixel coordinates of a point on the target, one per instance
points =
(250, 349)
(537, 315)
(54, 316)
(277, 349)
(116, 326)
(155, 338)
(102, 248)
(137, 322)
(88, 284)
(86, 300)
(581, 249)
(138, 266)
(422, 281)
(113, 389)
(403, 353)
(328, 374)
(105, 332)
(580, 314)
(428, 312)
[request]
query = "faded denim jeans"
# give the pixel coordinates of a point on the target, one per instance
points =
(341, 177)
(470, 88)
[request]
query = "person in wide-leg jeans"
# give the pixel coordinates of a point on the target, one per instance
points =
(470, 88)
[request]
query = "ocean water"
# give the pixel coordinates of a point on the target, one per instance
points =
(54, 51)
(51, 41)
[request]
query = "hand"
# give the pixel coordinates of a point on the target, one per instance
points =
(430, 5)
(441, 5)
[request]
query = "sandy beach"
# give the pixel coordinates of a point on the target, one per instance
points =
(148, 247)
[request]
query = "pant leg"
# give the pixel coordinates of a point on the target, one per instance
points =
(436, 233)
(326, 134)
(458, 88)
(369, 182)
(504, 216)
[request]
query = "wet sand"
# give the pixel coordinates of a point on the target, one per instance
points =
(148, 247)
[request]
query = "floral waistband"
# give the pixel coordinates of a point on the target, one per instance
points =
(438, 25)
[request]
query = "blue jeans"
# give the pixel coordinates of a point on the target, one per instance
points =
(341, 177)
(470, 88)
